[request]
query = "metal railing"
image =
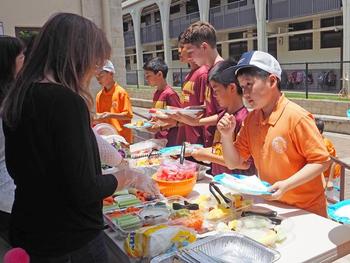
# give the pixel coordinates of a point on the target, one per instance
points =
(129, 38)
(305, 78)
(151, 33)
(321, 77)
(344, 166)
(235, 14)
(179, 75)
(283, 9)
(178, 25)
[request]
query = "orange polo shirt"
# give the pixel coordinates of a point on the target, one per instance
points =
(115, 100)
(281, 145)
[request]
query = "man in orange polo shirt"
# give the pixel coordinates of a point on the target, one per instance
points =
(112, 102)
(282, 137)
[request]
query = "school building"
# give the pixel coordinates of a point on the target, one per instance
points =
(294, 31)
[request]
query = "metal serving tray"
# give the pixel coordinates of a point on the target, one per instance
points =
(223, 248)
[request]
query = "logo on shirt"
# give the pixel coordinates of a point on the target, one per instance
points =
(279, 144)
(114, 104)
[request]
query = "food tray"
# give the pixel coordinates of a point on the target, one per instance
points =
(230, 247)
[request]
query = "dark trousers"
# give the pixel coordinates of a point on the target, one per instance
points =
(4, 225)
(93, 252)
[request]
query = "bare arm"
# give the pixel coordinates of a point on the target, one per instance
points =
(304, 175)
(233, 159)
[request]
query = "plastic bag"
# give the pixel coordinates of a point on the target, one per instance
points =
(154, 240)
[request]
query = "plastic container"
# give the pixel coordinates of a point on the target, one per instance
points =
(170, 188)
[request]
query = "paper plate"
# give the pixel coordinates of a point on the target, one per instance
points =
(251, 185)
(189, 112)
(131, 126)
(340, 211)
(176, 150)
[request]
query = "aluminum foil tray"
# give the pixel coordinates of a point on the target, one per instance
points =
(228, 247)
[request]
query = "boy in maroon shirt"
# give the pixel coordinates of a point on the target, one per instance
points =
(229, 97)
(193, 94)
(199, 40)
(155, 73)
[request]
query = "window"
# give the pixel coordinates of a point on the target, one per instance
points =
(191, 7)
(125, 26)
(1, 29)
(127, 63)
(146, 19)
(147, 57)
(174, 9)
(160, 55)
(237, 49)
(135, 57)
(331, 39)
(255, 44)
(235, 35)
(157, 17)
(219, 48)
(175, 55)
(300, 26)
(272, 46)
(215, 3)
(300, 41)
(332, 21)
(159, 47)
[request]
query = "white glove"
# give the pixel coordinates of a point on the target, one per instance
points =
(128, 178)
(108, 154)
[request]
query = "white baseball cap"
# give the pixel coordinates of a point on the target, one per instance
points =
(108, 66)
(261, 60)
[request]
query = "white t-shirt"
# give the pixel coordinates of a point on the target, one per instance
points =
(7, 186)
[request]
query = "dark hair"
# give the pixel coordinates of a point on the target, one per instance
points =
(68, 46)
(257, 72)
(320, 125)
(155, 65)
(224, 73)
(10, 48)
(200, 32)
(180, 40)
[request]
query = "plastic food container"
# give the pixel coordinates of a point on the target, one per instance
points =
(174, 178)
(170, 188)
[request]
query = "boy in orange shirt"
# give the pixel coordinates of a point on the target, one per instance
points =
(112, 102)
(282, 137)
(334, 170)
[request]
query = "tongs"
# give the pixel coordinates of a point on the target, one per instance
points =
(182, 153)
(212, 187)
(271, 215)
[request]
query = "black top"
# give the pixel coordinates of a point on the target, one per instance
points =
(54, 160)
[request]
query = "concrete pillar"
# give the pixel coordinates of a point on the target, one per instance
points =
(106, 19)
(204, 6)
(346, 45)
(117, 39)
(260, 12)
(164, 8)
(136, 19)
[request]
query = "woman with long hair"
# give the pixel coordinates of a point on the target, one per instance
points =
(11, 62)
(51, 150)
